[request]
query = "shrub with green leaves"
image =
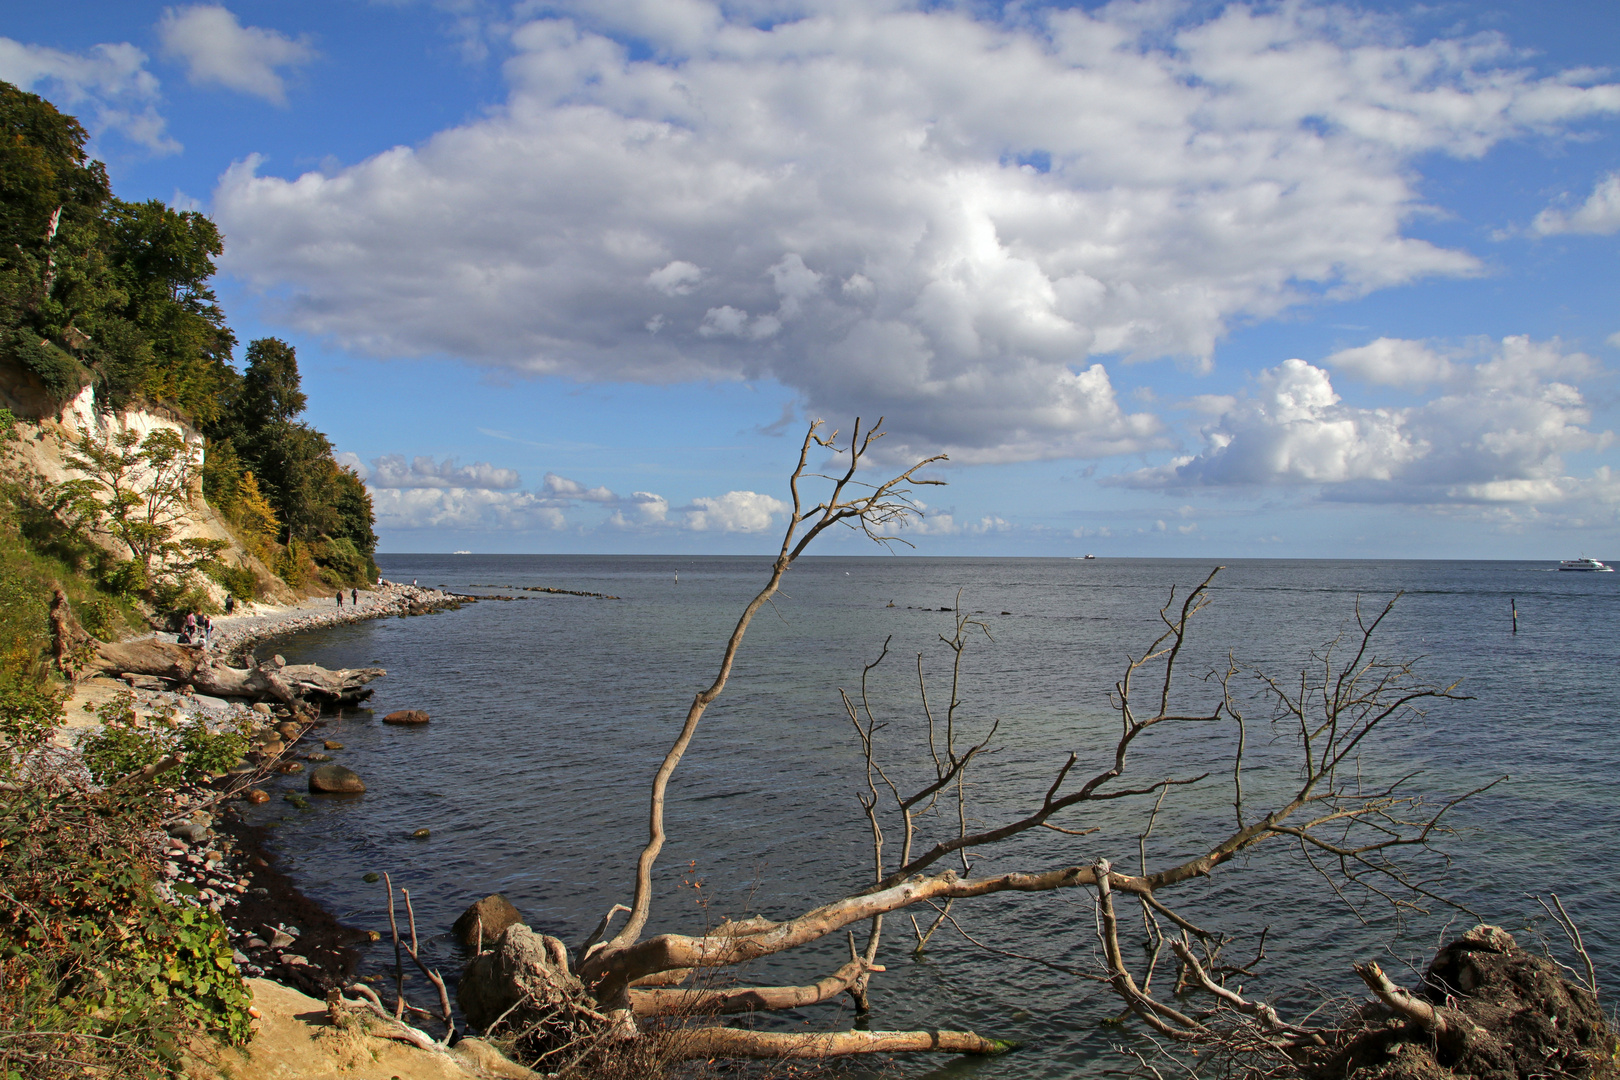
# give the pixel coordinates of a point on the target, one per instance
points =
(340, 559)
(239, 581)
(100, 618)
(292, 563)
(99, 976)
(182, 595)
(29, 712)
(126, 742)
(122, 577)
(60, 374)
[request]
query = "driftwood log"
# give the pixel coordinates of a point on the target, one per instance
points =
(273, 679)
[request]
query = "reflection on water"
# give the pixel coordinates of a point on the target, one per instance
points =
(550, 713)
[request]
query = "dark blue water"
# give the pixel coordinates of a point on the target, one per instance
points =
(550, 714)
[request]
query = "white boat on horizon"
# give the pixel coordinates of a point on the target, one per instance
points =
(1583, 563)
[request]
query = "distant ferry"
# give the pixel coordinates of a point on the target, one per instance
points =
(461, 553)
(1583, 563)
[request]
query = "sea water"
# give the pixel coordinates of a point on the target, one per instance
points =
(550, 713)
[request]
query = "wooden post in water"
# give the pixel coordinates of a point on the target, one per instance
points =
(1514, 603)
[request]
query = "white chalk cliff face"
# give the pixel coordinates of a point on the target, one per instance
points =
(47, 429)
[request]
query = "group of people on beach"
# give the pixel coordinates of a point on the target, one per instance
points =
(354, 598)
(198, 630)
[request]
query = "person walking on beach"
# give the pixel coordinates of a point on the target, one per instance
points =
(208, 631)
(230, 604)
(354, 598)
(340, 599)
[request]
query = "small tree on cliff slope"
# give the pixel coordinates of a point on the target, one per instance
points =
(627, 989)
(140, 492)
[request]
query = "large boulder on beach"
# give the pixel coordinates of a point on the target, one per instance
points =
(495, 913)
(335, 780)
(522, 975)
(406, 716)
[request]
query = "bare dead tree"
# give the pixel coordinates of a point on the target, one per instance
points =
(360, 999)
(1348, 828)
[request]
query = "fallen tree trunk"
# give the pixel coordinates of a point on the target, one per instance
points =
(728, 1042)
(273, 679)
(746, 999)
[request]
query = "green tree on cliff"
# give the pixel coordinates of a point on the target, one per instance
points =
(95, 288)
(51, 265)
(317, 502)
(169, 341)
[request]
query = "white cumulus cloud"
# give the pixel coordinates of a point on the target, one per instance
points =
(463, 508)
(1497, 433)
(1599, 214)
(735, 511)
(929, 211)
(108, 87)
(424, 493)
(217, 49)
(1393, 362)
(564, 489)
(392, 471)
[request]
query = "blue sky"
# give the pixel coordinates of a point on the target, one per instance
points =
(1180, 279)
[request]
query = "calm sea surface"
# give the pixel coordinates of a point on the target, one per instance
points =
(550, 714)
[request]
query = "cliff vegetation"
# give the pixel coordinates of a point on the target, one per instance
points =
(143, 473)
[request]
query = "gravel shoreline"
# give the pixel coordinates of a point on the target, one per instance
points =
(212, 858)
(236, 635)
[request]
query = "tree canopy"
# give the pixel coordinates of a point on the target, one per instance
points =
(98, 291)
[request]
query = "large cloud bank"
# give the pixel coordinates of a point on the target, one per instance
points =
(424, 494)
(1495, 439)
(917, 212)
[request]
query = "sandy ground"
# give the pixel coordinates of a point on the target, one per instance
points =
(294, 1039)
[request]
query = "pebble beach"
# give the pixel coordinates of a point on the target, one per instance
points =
(210, 857)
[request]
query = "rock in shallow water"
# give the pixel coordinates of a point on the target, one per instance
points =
(406, 716)
(495, 912)
(335, 780)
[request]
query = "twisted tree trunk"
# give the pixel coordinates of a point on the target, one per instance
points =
(272, 680)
